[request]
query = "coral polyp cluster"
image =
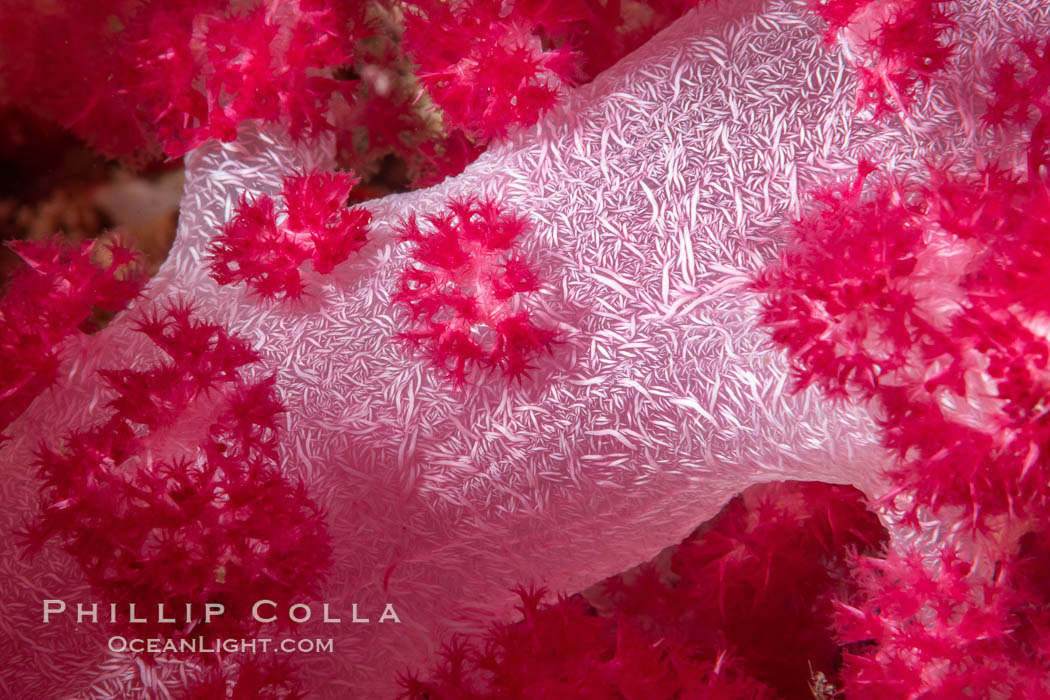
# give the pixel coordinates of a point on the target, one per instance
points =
(742, 609)
(52, 296)
(922, 296)
(462, 291)
(912, 291)
(178, 497)
(265, 247)
(901, 47)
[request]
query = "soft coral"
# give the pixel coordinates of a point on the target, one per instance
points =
(904, 40)
(927, 309)
(485, 70)
(461, 294)
(53, 296)
(492, 65)
(1021, 96)
(137, 79)
(264, 250)
(178, 498)
(748, 603)
(938, 629)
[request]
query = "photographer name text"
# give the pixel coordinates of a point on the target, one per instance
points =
(263, 611)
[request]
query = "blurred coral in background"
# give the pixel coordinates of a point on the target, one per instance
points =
(741, 609)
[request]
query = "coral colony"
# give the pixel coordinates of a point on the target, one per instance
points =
(919, 295)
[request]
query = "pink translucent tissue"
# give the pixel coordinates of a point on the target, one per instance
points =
(654, 193)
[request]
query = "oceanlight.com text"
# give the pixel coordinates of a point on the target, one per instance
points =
(200, 645)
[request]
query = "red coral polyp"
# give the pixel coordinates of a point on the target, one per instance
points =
(928, 299)
(53, 296)
(1021, 96)
(178, 497)
(462, 292)
(316, 206)
(842, 298)
(266, 250)
(152, 77)
(903, 41)
(743, 611)
(926, 629)
(485, 69)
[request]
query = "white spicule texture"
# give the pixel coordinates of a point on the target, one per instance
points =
(655, 193)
